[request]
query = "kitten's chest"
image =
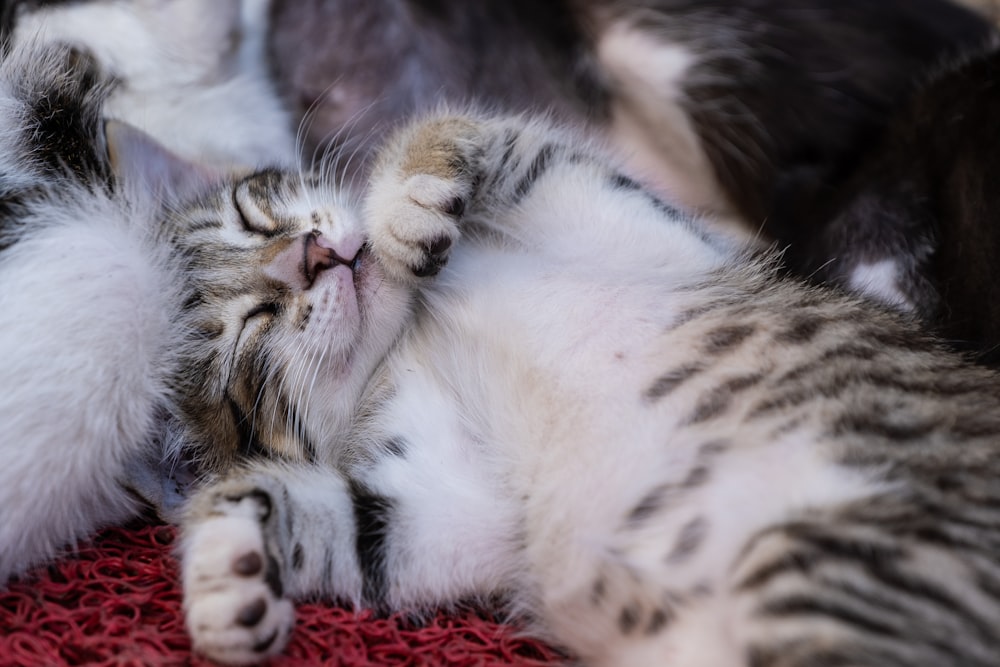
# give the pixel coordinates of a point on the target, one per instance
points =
(572, 323)
(514, 350)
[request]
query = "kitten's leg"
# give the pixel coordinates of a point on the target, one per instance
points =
(422, 184)
(517, 181)
(254, 542)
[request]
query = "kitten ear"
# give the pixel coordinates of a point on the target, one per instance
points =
(138, 160)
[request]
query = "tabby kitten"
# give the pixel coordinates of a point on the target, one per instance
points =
(513, 372)
(758, 113)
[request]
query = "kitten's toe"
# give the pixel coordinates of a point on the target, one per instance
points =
(233, 603)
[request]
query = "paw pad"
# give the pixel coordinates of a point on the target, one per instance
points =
(248, 565)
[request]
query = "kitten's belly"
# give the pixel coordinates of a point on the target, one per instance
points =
(566, 359)
(577, 322)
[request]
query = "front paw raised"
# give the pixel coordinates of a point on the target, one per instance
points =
(418, 194)
(234, 606)
(417, 225)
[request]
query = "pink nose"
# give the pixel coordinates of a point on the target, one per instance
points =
(318, 256)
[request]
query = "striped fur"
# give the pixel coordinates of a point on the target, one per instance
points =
(535, 381)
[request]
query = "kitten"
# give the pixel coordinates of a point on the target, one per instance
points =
(188, 72)
(87, 311)
(919, 218)
(757, 114)
(514, 372)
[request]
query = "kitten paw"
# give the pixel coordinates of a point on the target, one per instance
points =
(415, 229)
(234, 606)
(418, 196)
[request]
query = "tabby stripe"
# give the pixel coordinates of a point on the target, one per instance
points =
(670, 380)
(620, 181)
(882, 565)
(848, 351)
(816, 547)
(708, 407)
(876, 426)
(802, 329)
(727, 338)
(397, 446)
(657, 498)
(650, 504)
(509, 143)
(821, 655)
(833, 386)
(690, 537)
(537, 167)
(797, 606)
(984, 426)
(906, 340)
(203, 224)
(935, 596)
(791, 561)
(675, 214)
(249, 445)
(372, 517)
(718, 400)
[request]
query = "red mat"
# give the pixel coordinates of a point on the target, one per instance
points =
(116, 602)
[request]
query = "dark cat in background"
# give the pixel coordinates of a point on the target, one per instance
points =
(779, 96)
(924, 208)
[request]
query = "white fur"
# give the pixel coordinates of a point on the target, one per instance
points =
(212, 581)
(188, 69)
(879, 280)
(85, 317)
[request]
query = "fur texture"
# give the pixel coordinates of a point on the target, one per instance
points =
(798, 123)
(90, 296)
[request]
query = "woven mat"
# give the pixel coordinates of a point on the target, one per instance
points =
(116, 602)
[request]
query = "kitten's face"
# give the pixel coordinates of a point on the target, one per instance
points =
(290, 315)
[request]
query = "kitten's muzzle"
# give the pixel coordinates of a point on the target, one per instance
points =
(319, 256)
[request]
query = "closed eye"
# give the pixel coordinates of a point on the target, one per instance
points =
(245, 221)
(255, 320)
(263, 309)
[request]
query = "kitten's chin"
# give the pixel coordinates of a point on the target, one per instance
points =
(369, 281)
